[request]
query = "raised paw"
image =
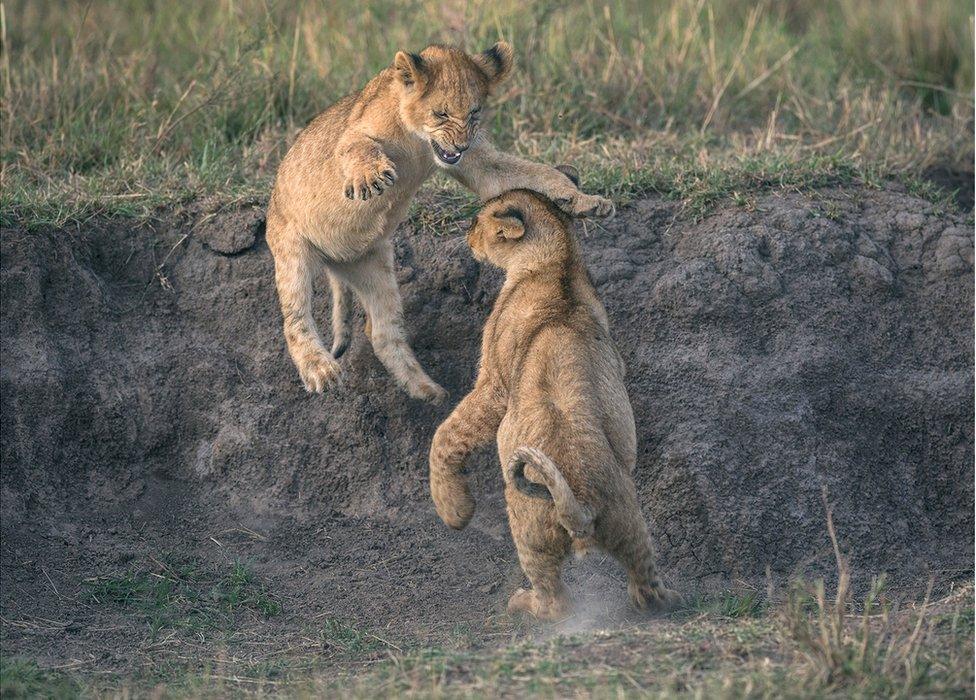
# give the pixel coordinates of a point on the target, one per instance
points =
(592, 205)
(576, 203)
(319, 372)
(452, 500)
(371, 179)
(655, 597)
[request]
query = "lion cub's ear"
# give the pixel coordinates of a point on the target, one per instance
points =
(410, 68)
(509, 224)
(496, 62)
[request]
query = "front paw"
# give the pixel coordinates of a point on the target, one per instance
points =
(452, 499)
(371, 179)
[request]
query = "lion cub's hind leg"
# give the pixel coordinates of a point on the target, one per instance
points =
(296, 263)
(541, 556)
(626, 538)
(373, 279)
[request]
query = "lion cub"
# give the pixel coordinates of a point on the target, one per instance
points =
(550, 387)
(348, 180)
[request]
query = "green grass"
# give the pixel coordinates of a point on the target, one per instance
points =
(348, 638)
(734, 646)
(24, 679)
(181, 594)
(732, 605)
(120, 108)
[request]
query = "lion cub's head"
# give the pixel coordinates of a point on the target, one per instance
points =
(521, 229)
(443, 92)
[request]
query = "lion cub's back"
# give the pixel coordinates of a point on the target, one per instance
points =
(578, 372)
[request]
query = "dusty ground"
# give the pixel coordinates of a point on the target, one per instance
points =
(154, 428)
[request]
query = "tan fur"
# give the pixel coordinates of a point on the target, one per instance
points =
(348, 180)
(550, 389)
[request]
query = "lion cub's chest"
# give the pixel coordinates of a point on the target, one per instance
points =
(347, 228)
(414, 165)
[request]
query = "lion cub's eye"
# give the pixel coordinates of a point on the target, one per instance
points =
(440, 115)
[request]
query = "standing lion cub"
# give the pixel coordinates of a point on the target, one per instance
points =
(550, 387)
(348, 180)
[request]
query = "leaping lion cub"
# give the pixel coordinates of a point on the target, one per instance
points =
(550, 385)
(348, 180)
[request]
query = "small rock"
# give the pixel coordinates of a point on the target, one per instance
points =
(953, 252)
(907, 221)
(872, 273)
(231, 233)
(867, 247)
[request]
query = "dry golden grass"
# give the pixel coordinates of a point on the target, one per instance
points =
(118, 107)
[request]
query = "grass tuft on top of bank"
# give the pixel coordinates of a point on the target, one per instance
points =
(119, 108)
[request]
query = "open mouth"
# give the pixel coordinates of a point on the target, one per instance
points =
(449, 157)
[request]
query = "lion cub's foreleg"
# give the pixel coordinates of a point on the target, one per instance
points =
(296, 263)
(373, 279)
(367, 171)
(472, 424)
(488, 172)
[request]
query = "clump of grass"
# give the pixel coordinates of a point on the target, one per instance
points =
(734, 605)
(184, 594)
(341, 635)
(872, 652)
(20, 678)
(120, 108)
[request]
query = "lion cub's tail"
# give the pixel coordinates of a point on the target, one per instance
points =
(340, 316)
(575, 517)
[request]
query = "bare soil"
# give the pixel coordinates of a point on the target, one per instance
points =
(150, 411)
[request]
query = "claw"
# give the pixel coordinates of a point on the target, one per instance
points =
(370, 180)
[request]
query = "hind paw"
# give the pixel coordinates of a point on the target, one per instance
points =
(542, 608)
(427, 390)
(655, 597)
(319, 372)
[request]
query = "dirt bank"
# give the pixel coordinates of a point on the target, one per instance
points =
(148, 405)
